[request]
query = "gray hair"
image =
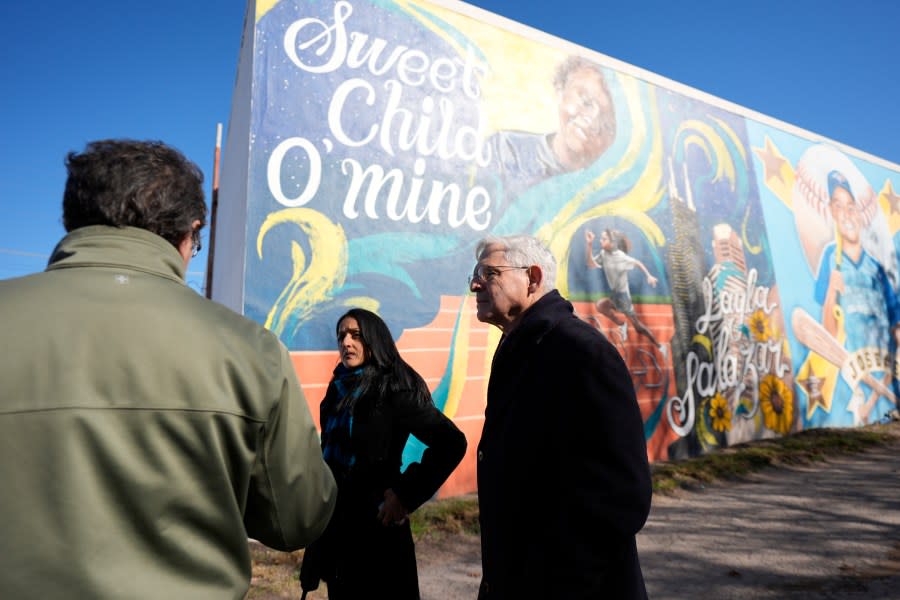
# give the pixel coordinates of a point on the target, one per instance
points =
(523, 251)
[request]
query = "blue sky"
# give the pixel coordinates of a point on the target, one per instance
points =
(74, 72)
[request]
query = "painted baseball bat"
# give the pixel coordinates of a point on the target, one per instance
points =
(811, 334)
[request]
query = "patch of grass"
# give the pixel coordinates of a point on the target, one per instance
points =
(800, 448)
(451, 516)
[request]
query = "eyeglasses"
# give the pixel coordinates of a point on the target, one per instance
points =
(485, 273)
(196, 246)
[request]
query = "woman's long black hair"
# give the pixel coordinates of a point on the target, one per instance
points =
(384, 368)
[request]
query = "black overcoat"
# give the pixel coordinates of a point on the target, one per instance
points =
(358, 556)
(563, 477)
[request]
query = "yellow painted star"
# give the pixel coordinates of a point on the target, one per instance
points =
(892, 199)
(812, 384)
(777, 171)
(772, 160)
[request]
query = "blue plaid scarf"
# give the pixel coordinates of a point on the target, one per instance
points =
(337, 421)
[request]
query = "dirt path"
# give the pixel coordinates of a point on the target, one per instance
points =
(449, 568)
(827, 531)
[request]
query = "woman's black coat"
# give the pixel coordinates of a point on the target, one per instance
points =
(358, 556)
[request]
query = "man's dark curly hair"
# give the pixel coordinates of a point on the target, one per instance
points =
(134, 183)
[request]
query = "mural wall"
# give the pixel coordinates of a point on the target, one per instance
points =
(374, 142)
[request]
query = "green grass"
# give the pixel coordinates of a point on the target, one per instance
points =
(452, 516)
(801, 448)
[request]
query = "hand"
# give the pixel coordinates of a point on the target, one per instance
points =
(391, 511)
(588, 235)
(652, 280)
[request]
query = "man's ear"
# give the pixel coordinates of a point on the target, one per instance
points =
(535, 278)
(185, 248)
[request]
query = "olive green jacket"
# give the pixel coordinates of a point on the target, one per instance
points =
(145, 431)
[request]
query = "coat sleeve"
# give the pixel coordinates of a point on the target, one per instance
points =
(446, 446)
(608, 453)
(292, 491)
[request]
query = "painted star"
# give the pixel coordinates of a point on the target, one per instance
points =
(813, 386)
(893, 199)
(772, 161)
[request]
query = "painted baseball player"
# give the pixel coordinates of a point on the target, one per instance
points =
(859, 305)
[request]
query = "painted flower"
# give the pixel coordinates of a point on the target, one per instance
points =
(777, 403)
(720, 413)
(760, 327)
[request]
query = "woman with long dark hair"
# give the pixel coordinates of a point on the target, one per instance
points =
(374, 402)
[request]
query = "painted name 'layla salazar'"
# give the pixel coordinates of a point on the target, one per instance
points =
(373, 143)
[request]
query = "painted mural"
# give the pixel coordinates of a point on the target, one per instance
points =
(386, 137)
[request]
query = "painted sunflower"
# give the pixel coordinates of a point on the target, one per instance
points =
(760, 328)
(777, 403)
(720, 413)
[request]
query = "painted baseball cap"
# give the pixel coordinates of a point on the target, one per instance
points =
(836, 180)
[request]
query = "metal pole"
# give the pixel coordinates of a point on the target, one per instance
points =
(214, 209)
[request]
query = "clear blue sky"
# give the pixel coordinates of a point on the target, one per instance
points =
(78, 71)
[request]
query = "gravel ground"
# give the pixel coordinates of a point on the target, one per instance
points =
(831, 530)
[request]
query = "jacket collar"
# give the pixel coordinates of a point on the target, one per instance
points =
(118, 247)
(540, 318)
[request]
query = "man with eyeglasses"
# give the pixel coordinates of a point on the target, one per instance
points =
(563, 478)
(145, 431)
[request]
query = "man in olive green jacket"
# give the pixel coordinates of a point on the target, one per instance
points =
(145, 431)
